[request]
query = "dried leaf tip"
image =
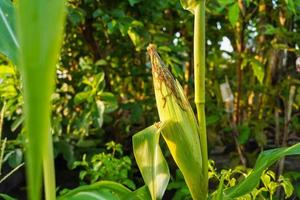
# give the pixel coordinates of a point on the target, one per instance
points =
(155, 59)
(151, 49)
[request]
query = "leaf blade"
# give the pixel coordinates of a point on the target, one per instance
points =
(233, 13)
(151, 161)
(8, 43)
(40, 26)
(265, 160)
(118, 189)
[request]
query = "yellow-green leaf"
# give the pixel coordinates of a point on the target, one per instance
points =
(40, 31)
(233, 14)
(150, 159)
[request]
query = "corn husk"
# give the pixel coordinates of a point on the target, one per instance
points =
(182, 132)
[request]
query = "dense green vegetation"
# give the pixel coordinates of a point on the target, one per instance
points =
(104, 95)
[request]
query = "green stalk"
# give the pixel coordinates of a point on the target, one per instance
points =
(199, 69)
(49, 171)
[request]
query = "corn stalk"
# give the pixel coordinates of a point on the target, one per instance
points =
(197, 7)
(199, 69)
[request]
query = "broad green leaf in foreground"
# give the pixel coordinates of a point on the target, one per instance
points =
(105, 190)
(150, 160)
(265, 160)
(8, 40)
(102, 190)
(40, 31)
(182, 133)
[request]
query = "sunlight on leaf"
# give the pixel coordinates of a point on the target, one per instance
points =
(150, 159)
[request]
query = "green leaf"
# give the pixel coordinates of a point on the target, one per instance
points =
(98, 79)
(133, 2)
(40, 26)
(225, 3)
(102, 190)
(8, 40)
(110, 102)
(291, 6)
(270, 29)
(81, 97)
(140, 194)
(135, 37)
(6, 197)
(258, 70)
(233, 13)
(186, 155)
(16, 158)
(244, 134)
(19, 120)
(67, 151)
(212, 119)
(219, 194)
(76, 16)
(264, 161)
(101, 62)
(288, 187)
(150, 160)
(94, 195)
(190, 5)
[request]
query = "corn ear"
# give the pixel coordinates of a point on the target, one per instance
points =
(182, 132)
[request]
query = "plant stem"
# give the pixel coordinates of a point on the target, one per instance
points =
(286, 130)
(11, 172)
(2, 118)
(199, 70)
(2, 142)
(49, 171)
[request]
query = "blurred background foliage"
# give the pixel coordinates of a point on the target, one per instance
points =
(104, 86)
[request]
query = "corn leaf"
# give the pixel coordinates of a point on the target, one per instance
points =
(94, 195)
(182, 133)
(264, 161)
(40, 31)
(186, 157)
(101, 190)
(219, 193)
(104, 190)
(8, 41)
(140, 194)
(150, 160)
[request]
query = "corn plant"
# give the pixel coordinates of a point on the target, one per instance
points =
(179, 129)
(35, 52)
